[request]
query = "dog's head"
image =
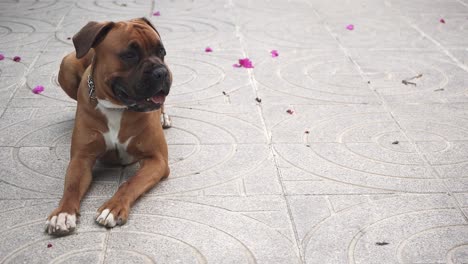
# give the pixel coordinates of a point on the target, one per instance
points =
(129, 60)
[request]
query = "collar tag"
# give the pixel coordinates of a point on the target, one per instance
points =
(91, 88)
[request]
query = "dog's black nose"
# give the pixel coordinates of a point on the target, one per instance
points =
(160, 73)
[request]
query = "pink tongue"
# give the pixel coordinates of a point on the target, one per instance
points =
(158, 99)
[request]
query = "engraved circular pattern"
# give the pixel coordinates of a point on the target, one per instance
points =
(188, 72)
(28, 6)
(177, 238)
(364, 226)
(11, 73)
(387, 77)
(116, 7)
(195, 33)
(46, 73)
(17, 30)
(315, 78)
(359, 149)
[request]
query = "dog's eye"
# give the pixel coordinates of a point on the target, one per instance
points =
(129, 55)
(162, 52)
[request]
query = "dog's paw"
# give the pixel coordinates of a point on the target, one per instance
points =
(61, 224)
(112, 214)
(166, 121)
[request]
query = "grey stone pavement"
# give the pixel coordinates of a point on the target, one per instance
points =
(365, 170)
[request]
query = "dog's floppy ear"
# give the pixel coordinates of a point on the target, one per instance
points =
(144, 19)
(90, 36)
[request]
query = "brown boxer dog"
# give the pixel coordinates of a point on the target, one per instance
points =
(119, 78)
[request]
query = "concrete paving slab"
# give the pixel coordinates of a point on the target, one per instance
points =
(363, 169)
(360, 232)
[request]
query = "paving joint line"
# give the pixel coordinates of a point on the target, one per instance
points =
(462, 3)
(441, 48)
(268, 135)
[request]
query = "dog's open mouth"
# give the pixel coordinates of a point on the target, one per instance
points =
(158, 98)
(149, 104)
(140, 105)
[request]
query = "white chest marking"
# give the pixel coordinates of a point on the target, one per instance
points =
(114, 113)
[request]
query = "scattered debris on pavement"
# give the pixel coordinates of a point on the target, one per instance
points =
(38, 89)
(382, 243)
(246, 63)
(407, 81)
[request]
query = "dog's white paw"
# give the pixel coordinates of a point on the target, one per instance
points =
(106, 218)
(61, 225)
(166, 121)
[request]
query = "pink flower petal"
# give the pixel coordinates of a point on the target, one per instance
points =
(208, 49)
(38, 89)
(236, 65)
(157, 13)
(17, 58)
(2, 57)
(350, 27)
(274, 53)
(442, 21)
(246, 63)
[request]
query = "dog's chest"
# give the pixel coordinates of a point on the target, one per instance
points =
(111, 137)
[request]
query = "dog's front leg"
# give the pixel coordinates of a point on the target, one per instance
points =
(62, 221)
(115, 211)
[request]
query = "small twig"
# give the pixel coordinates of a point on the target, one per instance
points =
(415, 77)
(407, 81)
(382, 243)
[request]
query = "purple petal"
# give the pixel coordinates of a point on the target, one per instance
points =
(157, 13)
(38, 89)
(246, 63)
(208, 49)
(274, 53)
(2, 57)
(350, 27)
(17, 58)
(236, 65)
